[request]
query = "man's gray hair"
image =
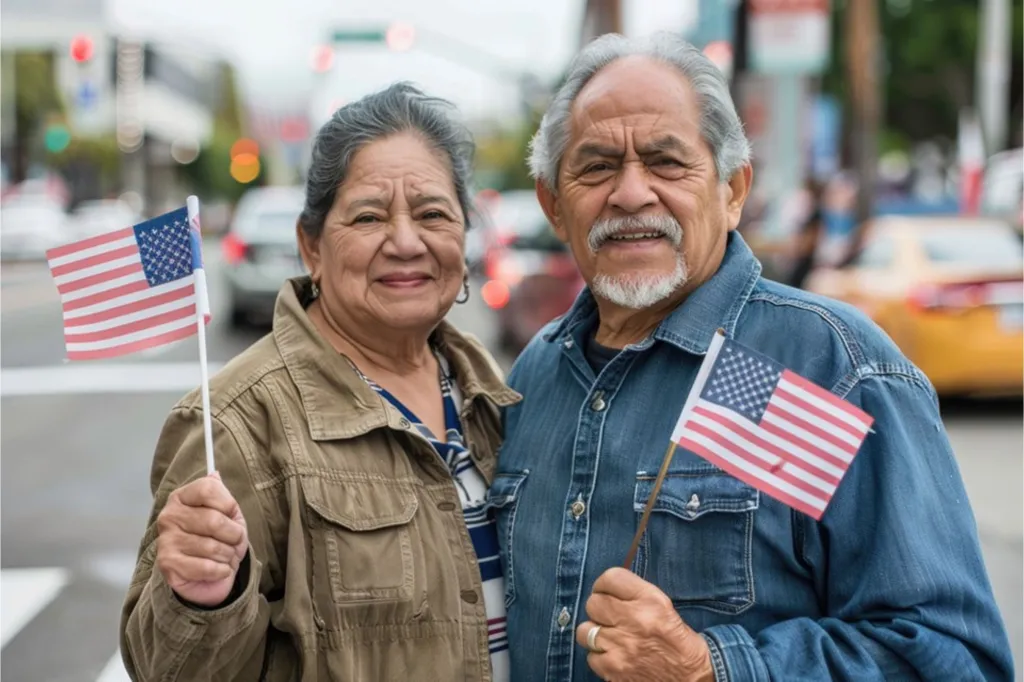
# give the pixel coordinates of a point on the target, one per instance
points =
(720, 124)
(398, 108)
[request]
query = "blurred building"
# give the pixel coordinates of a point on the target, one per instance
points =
(156, 97)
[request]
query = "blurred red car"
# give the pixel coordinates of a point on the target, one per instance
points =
(530, 276)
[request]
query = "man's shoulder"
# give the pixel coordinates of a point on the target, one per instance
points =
(538, 355)
(826, 340)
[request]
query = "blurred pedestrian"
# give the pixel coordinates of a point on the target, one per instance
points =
(809, 235)
(643, 168)
(344, 535)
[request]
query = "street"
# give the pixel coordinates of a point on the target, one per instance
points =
(77, 441)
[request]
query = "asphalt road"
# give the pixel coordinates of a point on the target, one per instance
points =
(76, 443)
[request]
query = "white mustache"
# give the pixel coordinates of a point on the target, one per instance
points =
(666, 226)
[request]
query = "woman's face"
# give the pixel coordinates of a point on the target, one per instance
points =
(391, 252)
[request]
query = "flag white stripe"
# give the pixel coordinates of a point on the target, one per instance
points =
(189, 321)
(808, 438)
(809, 478)
(92, 251)
(75, 275)
(184, 282)
(823, 405)
(189, 302)
(781, 443)
(814, 420)
(115, 283)
(767, 477)
(755, 450)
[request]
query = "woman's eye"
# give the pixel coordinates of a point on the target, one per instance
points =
(367, 218)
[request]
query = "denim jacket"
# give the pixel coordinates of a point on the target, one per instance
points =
(889, 584)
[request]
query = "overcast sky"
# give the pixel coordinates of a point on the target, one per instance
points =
(271, 42)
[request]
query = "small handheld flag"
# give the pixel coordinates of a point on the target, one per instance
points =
(767, 426)
(136, 288)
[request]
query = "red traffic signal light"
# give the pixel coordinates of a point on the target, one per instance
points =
(81, 49)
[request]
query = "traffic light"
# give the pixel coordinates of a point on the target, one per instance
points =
(81, 48)
(322, 59)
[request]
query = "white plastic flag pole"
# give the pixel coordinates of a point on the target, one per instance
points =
(202, 310)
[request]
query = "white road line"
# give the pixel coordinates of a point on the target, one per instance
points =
(114, 671)
(24, 592)
(75, 379)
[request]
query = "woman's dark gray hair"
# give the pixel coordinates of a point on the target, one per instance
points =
(399, 108)
(720, 125)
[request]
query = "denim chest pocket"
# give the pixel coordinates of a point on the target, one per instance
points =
(698, 543)
(503, 497)
(367, 554)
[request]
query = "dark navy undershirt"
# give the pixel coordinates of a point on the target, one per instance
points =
(597, 355)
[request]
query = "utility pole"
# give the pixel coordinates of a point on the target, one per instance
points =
(600, 17)
(993, 72)
(740, 49)
(862, 69)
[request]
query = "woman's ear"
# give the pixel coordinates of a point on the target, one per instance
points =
(309, 249)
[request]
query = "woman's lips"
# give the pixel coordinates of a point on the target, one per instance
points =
(405, 282)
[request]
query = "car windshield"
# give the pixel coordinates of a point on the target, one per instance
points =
(276, 226)
(993, 246)
(522, 226)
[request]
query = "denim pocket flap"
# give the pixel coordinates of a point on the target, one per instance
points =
(504, 489)
(690, 495)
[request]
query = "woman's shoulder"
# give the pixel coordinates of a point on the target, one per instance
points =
(238, 378)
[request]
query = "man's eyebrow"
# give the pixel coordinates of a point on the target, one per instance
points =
(590, 149)
(668, 143)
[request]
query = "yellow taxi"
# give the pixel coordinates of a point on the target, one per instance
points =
(949, 291)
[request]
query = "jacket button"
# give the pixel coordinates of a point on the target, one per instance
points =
(469, 596)
(578, 508)
(446, 506)
(598, 404)
(564, 617)
(404, 423)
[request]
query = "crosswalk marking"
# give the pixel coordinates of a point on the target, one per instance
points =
(24, 592)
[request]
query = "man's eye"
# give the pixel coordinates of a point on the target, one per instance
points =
(596, 168)
(433, 215)
(668, 162)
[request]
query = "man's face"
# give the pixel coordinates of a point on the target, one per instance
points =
(639, 201)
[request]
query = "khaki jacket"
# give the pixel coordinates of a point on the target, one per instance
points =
(360, 566)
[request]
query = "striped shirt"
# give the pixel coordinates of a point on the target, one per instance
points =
(472, 490)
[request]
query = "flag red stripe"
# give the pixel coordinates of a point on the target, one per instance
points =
(104, 296)
(134, 346)
(133, 307)
(98, 240)
(832, 421)
(131, 327)
(779, 472)
(752, 480)
(99, 278)
(810, 428)
(91, 261)
(766, 445)
(828, 396)
(809, 447)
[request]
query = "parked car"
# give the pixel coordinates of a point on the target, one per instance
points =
(949, 291)
(29, 225)
(260, 252)
(91, 218)
(530, 276)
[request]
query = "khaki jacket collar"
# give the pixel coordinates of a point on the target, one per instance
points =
(337, 402)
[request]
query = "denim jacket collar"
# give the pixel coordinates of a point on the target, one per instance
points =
(715, 304)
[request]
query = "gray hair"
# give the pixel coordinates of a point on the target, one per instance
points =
(720, 124)
(399, 108)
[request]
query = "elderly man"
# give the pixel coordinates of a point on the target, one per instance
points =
(642, 168)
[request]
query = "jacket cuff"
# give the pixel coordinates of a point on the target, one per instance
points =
(734, 655)
(184, 623)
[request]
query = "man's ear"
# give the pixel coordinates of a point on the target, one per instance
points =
(548, 201)
(309, 249)
(736, 192)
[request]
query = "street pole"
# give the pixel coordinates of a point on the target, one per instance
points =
(862, 68)
(993, 76)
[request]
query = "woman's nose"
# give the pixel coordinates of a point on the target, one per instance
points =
(405, 239)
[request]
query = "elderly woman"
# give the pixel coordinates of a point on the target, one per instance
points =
(344, 535)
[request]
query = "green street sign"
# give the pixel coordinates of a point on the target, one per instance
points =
(362, 36)
(56, 138)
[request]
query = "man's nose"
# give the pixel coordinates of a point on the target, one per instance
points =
(405, 240)
(633, 192)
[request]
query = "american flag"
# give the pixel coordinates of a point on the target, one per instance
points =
(771, 428)
(128, 290)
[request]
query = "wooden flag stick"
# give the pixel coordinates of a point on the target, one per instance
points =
(665, 462)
